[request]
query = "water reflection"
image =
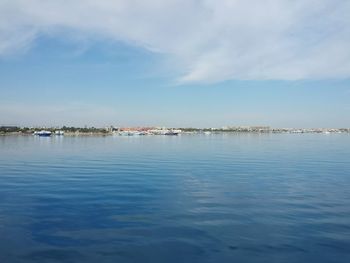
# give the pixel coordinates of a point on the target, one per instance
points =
(217, 198)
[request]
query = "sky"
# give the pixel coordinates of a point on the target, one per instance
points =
(183, 63)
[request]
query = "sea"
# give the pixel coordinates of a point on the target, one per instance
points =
(239, 197)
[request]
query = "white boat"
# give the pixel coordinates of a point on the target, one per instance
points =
(170, 132)
(59, 133)
(130, 133)
(43, 133)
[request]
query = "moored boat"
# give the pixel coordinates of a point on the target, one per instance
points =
(59, 133)
(171, 133)
(43, 133)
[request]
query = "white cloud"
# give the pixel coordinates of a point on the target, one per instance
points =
(212, 40)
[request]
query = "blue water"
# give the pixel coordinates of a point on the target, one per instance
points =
(191, 198)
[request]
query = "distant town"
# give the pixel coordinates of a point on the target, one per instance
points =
(131, 131)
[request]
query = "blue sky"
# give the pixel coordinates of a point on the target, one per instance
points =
(159, 71)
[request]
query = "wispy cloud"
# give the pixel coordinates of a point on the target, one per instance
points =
(208, 40)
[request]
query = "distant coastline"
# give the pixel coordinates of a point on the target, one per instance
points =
(108, 131)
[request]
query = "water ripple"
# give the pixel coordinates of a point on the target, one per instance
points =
(219, 198)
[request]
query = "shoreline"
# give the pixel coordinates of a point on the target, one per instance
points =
(106, 134)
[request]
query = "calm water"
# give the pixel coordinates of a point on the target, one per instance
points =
(217, 198)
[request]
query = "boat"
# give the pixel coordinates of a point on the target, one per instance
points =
(124, 133)
(59, 133)
(128, 133)
(171, 133)
(43, 133)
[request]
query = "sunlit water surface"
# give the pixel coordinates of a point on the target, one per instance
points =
(190, 198)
